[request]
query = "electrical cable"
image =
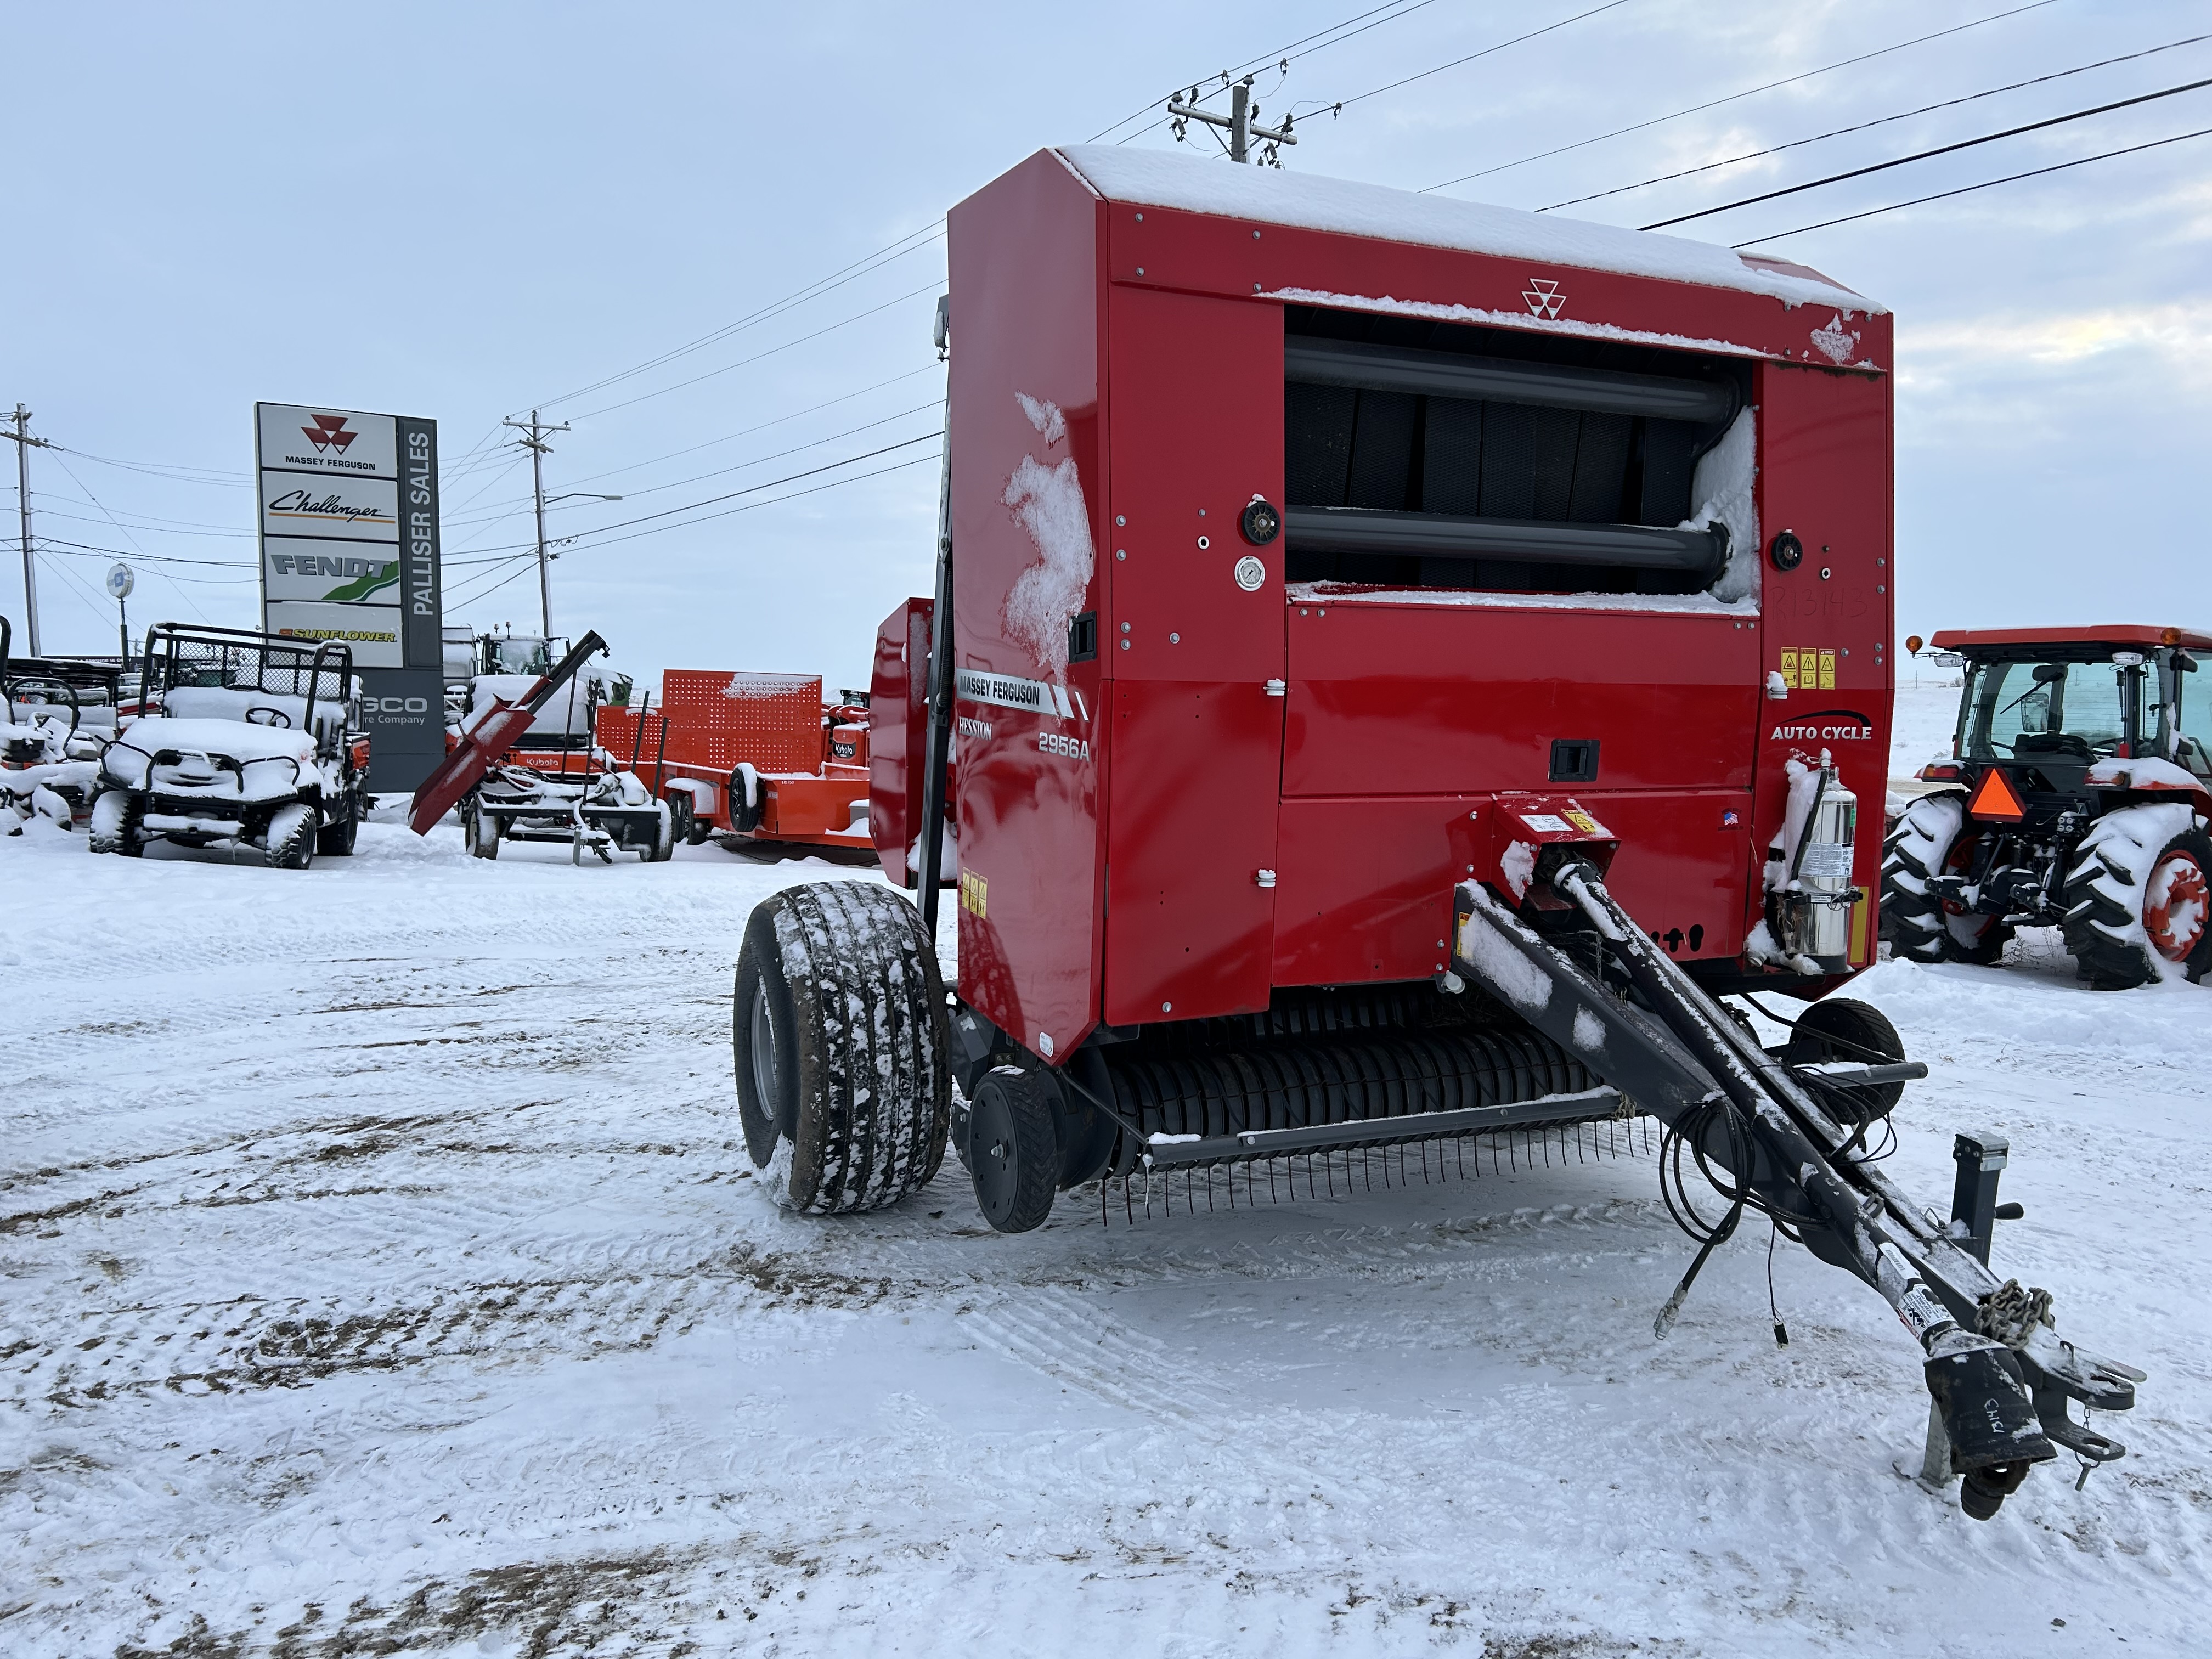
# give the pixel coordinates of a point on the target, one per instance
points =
(813, 290)
(1748, 92)
(739, 467)
(1281, 54)
(1609, 5)
(1922, 156)
(835, 483)
(1864, 126)
(846, 322)
(1968, 190)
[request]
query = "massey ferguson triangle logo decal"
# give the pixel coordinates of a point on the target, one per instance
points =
(1543, 298)
(328, 433)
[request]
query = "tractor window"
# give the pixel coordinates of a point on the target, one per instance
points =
(2193, 747)
(2053, 711)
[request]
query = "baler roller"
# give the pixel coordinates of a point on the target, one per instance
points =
(1274, 1099)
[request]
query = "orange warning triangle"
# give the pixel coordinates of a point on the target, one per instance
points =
(1995, 798)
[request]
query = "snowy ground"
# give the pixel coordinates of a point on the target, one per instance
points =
(383, 1275)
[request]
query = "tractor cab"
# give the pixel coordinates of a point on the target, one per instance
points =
(2047, 708)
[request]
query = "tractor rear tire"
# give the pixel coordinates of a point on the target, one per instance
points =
(1930, 838)
(290, 840)
(842, 1048)
(114, 826)
(1843, 1028)
(664, 836)
(2136, 898)
(1013, 1149)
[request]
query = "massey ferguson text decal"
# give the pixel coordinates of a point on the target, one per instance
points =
(1009, 691)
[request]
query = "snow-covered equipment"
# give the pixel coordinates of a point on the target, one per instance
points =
(59, 714)
(601, 812)
(491, 731)
(243, 738)
(2076, 795)
(1371, 713)
(751, 757)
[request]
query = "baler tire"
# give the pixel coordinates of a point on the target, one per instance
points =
(840, 1046)
(2104, 901)
(1917, 924)
(1843, 1028)
(114, 826)
(1013, 1149)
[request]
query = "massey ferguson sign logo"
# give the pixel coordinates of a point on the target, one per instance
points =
(1543, 298)
(327, 433)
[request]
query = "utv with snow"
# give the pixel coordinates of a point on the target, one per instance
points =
(58, 714)
(242, 739)
(2076, 795)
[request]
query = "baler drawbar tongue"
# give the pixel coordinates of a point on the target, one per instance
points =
(1999, 1377)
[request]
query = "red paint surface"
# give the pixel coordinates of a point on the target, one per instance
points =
(1111, 853)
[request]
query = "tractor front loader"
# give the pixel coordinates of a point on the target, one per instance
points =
(1387, 729)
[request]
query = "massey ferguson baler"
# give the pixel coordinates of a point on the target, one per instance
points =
(1407, 661)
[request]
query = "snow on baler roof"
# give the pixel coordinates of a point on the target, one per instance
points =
(2143, 636)
(1164, 178)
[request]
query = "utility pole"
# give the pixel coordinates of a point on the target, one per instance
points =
(25, 443)
(534, 441)
(1239, 123)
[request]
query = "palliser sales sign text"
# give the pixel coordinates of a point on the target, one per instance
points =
(349, 520)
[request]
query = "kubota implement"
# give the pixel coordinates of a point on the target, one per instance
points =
(1383, 720)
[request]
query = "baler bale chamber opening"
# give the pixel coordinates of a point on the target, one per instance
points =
(1360, 725)
(1438, 455)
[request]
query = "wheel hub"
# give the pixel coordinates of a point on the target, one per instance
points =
(2176, 901)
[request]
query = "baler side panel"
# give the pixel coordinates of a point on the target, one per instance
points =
(898, 730)
(1028, 528)
(1825, 449)
(1400, 699)
(1197, 426)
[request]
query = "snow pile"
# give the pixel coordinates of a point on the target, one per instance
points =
(1167, 178)
(1722, 486)
(1503, 968)
(1048, 502)
(2147, 773)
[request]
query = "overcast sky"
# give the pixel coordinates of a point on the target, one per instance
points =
(461, 210)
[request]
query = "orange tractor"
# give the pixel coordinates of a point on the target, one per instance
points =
(2076, 795)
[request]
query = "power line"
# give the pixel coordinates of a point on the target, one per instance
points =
(173, 471)
(1864, 126)
(831, 328)
(1922, 156)
(1286, 55)
(739, 467)
(47, 545)
(836, 279)
(1470, 57)
(50, 544)
(830, 466)
(1748, 92)
(835, 483)
(1967, 190)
